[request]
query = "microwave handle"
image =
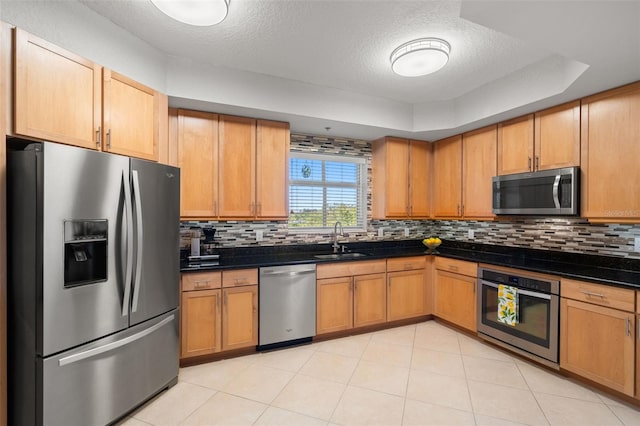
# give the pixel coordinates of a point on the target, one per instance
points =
(556, 188)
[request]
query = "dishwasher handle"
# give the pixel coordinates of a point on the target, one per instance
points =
(287, 272)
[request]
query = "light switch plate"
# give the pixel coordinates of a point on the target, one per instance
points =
(259, 235)
(381, 232)
(636, 245)
(471, 234)
(406, 232)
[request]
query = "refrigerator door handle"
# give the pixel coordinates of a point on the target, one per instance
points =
(129, 245)
(113, 345)
(139, 240)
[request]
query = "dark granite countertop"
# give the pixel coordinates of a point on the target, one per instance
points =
(600, 269)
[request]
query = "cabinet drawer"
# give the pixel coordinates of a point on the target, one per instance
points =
(201, 281)
(240, 277)
(457, 266)
(598, 294)
(406, 263)
(346, 269)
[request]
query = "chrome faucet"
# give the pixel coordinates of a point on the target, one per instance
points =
(336, 246)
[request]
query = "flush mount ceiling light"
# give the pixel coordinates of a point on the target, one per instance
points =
(420, 57)
(201, 13)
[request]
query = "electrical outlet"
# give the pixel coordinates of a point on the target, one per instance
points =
(259, 235)
(471, 234)
(380, 232)
(636, 245)
(406, 232)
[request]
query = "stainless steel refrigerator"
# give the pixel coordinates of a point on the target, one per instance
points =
(93, 285)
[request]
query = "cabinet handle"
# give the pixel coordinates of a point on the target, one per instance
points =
(638, 327)
(462, 212)
(242, 280)
(537, 163)
(474, 286)
(458, 209)
(529, 163)
(109, 139)
(590, 293)
(99, 137)
(201, 284)
(225, 299)
(453, 268)
(628, 327)
(259, 209)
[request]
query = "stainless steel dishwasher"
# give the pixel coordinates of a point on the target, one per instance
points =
(287, 305)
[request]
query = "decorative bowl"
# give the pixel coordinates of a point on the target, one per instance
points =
(431, 244)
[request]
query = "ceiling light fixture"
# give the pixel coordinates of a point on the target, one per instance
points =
(420, 57)
(201, 13)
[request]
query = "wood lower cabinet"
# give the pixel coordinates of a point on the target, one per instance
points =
(200, 323)
(334, 310)
(239, 317)
(350, 294)
(369, 300)
(219, 311)
(455, 292)
(406, 288)
(610, 152)
(597, 334)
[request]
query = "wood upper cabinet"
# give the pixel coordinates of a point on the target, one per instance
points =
(237, 167)
(447, 178)
(197, 134)
(406, 288)
(597, 341)
(479, 166)
(610, 152)
(455, 292)
(401, 171)
(515, 145)
(62, 97)
(272, 169)
(130, 117)
(550, 139)
(557, 137)
(57, 93)
(334, 311)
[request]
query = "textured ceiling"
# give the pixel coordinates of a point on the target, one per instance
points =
(507, 58)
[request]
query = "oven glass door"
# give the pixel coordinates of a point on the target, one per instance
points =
(536, 328)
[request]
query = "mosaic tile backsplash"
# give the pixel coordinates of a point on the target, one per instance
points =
(559, 234)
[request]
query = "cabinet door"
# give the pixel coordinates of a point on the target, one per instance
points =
(610, 152)
(130, 117)
(479, 159)
(557, 137)
(396, 177)
(200, 323)
(369, 300)
(515, 145)
(237, 167)
(406, 294)
(447, 177)
(455, 298)
(240, 317)
(598, 343)
(419, 179)
(197, 159)
(272, 170)
(334, 305)
(57, 94)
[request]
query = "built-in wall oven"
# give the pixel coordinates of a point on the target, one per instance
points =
(520, 311)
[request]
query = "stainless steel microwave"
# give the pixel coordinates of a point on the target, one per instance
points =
(549, 192)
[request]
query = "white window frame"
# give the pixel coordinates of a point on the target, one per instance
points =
(362, 199)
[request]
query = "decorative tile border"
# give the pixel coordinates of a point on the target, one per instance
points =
(555, 234)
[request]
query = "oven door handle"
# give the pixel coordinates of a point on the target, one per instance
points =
(520, 291)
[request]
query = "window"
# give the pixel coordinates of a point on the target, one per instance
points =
(324, 189)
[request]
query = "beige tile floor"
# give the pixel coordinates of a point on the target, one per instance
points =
(423, 374)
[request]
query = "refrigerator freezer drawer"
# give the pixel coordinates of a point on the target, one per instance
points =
(97, 383)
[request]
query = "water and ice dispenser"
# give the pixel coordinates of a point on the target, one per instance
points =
(85, 252)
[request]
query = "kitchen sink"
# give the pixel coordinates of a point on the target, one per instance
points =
(340, 255)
